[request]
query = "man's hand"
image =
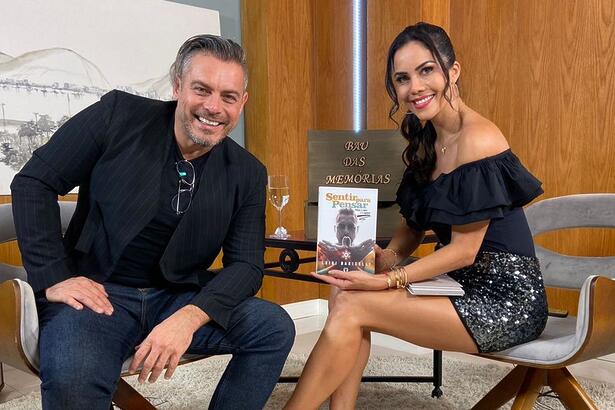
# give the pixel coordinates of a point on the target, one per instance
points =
(353, 280)
(167, 343)
(79, 292)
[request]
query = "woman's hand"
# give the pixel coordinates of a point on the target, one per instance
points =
(385, 259)
(353, 280)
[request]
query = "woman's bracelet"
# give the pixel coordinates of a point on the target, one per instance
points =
(403, 277)
(397, 276)
(395, 254)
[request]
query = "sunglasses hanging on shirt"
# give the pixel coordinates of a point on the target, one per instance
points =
(185, 186)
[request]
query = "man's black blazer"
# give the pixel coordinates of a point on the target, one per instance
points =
(114, 151)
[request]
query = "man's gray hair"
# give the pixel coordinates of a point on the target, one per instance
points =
(212, 45)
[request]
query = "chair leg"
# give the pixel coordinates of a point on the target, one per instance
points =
(1, 377)
(502, 392)
(569, 390)
(530, 389)
(127, 398)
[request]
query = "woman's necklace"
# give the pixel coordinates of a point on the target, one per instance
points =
(444, 147)
(452, 140)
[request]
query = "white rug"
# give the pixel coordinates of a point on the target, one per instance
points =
(464, 384)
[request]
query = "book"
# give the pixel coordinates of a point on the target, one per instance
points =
(442, 285)
(346, 229)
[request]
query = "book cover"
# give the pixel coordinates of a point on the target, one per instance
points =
(442, 285)
(346, 229)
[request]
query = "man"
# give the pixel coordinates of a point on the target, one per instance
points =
(162, 190)
(346, 227)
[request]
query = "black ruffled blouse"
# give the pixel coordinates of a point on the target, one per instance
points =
(493, 188)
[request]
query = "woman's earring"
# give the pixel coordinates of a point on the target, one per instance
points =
(452, 91)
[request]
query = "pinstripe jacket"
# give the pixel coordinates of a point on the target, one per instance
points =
(114, 151)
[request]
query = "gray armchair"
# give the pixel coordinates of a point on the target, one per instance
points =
(565, 340)
(19, 319)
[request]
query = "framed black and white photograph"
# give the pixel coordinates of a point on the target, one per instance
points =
(60, 56)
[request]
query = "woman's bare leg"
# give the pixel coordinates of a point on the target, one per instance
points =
(345, 396)
(425, 321)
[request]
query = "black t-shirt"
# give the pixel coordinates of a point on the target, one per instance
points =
(139, 264)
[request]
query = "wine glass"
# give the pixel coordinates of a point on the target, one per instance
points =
(279, 195)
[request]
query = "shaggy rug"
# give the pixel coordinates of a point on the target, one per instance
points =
(464, 384)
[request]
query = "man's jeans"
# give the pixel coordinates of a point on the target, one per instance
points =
(82, 352)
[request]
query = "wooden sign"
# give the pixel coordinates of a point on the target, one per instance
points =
(367, 159)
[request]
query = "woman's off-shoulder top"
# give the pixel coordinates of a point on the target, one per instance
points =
(493, 188)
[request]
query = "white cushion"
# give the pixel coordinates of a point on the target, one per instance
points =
(28, 327)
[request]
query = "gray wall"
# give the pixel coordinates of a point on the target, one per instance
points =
(230, 27)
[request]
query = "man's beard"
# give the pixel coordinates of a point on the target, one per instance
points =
(195, 139)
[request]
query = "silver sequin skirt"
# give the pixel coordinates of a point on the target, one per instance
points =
(504, 303)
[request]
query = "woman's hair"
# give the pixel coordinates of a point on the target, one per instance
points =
(420, 155)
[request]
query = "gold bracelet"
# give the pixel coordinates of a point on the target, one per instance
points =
(388, 281)
(401, 282)
(395, 254)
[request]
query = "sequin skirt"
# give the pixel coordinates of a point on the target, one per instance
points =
(504, 303)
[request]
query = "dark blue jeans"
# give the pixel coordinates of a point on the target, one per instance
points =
(82, 352)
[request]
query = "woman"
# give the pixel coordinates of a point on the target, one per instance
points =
(463, 182)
